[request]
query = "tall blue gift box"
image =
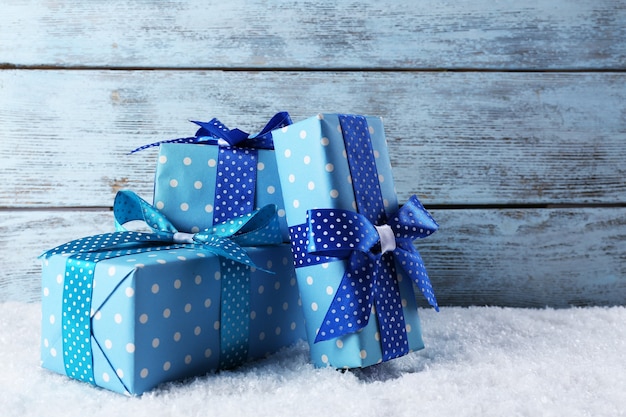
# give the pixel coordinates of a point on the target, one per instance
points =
(353, 246)
(127, 311)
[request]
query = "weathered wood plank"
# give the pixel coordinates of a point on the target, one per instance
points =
(455, 138)
(534, 258)
(528, 258)
(508, 34)
(26, 235)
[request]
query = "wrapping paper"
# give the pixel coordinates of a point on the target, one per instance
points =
(217, 174)
(185, 185)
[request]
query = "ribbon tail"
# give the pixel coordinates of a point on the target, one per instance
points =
(351, 307)
(388, 307)
(108, 241)
(192, 139)
(411, 262)
(228, 249)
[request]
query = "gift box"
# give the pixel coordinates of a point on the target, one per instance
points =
(217, 174)
(353, 246)
(127, 311)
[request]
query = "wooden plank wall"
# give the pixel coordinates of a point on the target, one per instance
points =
(507, 119)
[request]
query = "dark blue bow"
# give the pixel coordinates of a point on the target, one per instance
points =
(346, 234)
(215, 132)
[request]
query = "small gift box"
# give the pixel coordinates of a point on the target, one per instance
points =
(127, 311)
(217, 174)
(353, 247)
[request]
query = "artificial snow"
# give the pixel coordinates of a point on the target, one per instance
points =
(479, 361)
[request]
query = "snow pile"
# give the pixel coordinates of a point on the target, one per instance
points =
(480, 361)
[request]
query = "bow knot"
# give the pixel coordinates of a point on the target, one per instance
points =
(182, 237)
(387, 238)
(216, 130)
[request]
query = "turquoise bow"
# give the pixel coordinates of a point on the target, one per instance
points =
(226, 239)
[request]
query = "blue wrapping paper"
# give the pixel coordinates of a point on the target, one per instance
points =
(185, 184)
(156, 315)
(315, 173)
(217, 174)
(129, 310)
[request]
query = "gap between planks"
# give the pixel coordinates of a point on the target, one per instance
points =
(7, 66)
(427, 206)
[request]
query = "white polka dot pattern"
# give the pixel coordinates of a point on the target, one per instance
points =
(154, 314)
(192, 205)
(351, 173)
(236, 182)
(363, 169)
(235, 314)
(367, 280)
(198, 185)
(258, 228)
(76, 319)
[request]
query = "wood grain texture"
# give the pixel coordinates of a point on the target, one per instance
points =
(531, 114)
(454, 138)
(26, 235)
(528, 258)
(482, 34)
(531, 258)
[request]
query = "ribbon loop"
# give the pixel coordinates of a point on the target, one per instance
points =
(336, 232)
(412, 221)
(128, 207)
(215, 129)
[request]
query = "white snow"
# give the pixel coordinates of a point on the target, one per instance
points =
(479, 361)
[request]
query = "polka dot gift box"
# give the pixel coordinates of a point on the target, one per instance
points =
(217, 174)
(127, 311)
(356, 265)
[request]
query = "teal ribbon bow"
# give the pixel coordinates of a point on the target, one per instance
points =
(227, 239)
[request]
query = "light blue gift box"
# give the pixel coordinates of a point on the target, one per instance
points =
(314, 173)
(191, 173)
(155, 316)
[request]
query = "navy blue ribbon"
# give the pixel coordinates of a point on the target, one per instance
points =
(215, 132)
(373, 246)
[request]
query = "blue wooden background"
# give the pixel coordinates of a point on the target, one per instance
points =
(507, 119)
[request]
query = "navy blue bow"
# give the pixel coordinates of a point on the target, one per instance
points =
(215, 132)
(346, 234)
